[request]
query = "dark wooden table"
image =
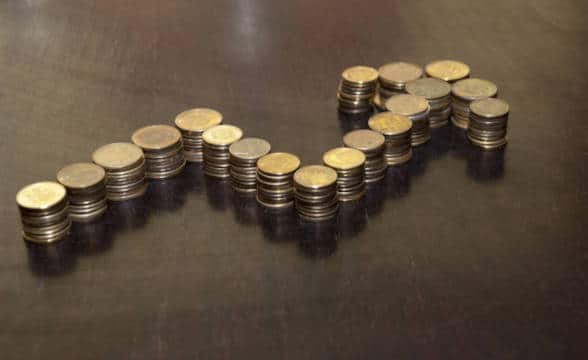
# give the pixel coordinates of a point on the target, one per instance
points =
(460, 254)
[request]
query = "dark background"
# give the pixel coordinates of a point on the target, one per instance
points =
(460, 254)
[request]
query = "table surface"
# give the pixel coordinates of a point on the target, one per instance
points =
(460, 254)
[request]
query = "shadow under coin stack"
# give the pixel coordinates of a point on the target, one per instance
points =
(393, 78)
(86, 190)
(350, 167)
(417, 109)
(463, 93)
(192, 124)
(275, 183)
(243, 156)
(371, 143)
(357, 89)
(397, 131)
(488, 123)
(125, 170)
(162, 147)
(447, 70)
(44, 212)
(217, 140)
(438, 94)
(315, 193)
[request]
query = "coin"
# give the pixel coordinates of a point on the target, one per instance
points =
(474, 89)
(448, 70)
(278, 163)
(405, 104)
(364, 140)
(360, 74)
(399, 72)
(315, 176)
(249, 148)
(81, 175)
(41, 195)
(156, 137)
(429, 88)
(388, 123)
(489, 108)
(222, 135)
(344, 158)
(198, 119)
(117, 155)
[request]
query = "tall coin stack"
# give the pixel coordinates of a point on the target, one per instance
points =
(315, 193)
(125, 170)
(417, 109)
(217, 140)
(243, 156)
(397, 131)
(438, 94)
(192, 124)
(393, 78)
(447, 70)
(357, 89)
(463, 93)
(162, 146)
(488, 123)
(43, 212)
(371, 143)
(86, 190)
(275, 183)
(350, 167)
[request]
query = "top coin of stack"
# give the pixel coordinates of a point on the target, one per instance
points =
(275, 183)
(438, 94)
(463, 93)
(243, 156)
(357, 89)
(217, 140)
(394, 76)
(315, 192)
(417, 109)
(86, 190)
(397, 131)
(447, 70)
(488, 123)
(192, 124)
(349, 164)
(162, 146)
(371, 143)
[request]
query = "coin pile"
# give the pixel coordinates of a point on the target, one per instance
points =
(86, 190)
(243, 156)
(488, 123)
(371, 143)
(315, 193)
(350, 167)
(463, 93)
(357, 89)
(397, 131)
(43, 212)
(192, 124)
(275, 183)
(217, 140)
(447, 70)
(162, 147)
(394, 76)
(417, 109)
(125, 170)
(438, 94)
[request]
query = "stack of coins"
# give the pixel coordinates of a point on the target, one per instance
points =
(463, 93)
(447, 70)
(350, 167)
(162, 146)
(217, 140)
(43, 212)
(86, 190)
(357, 89)
(488, 123)
(192, 123)
(371, 143)
(315, 193)
(275, 183)
(394, 76)
(125, 170)
(243, 156)
(417, 109)
(438, 94)
(397, 131)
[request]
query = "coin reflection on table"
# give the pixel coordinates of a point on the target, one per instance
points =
(319, 240)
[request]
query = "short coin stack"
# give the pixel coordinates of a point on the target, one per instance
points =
(447, 70)
(192, 124)
(217, 140)
(394, 76)
(371, 143)
(243, 156)
(357, 89)
(438, 94)
(162, 146)
(315, 192)
(463, 93)
(488, 123)
(397, 133)
(86, 190)
(43, 212)
(275, 183)
(125, 170)
(417, 109)
(350, 167)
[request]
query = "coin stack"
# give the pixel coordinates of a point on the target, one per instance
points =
(315, 193)
(438, 94)
(162, 147)
(488, 123)
(192, 124)
(350, 167)
(217, 140)
(357, 89)
(86, 190)
(243, 156)
(417, 109)
(397, 131)
(394, 76)
(275, 183)
(463, 93)
(371, 143)
(43, 212)
(447, 70)
(125, 170)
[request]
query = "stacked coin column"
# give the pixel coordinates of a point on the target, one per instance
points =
(393, 78)
(417, 109)
(243, 156)
(162, 146)
(217, 140)
(315, 193)
(350, 167)
(275, 183)
(86, 190)
(192, 124)
(465, 91)
(397, 130)
(371, 143)
(438, 94)
(488, 123)
(357, 89)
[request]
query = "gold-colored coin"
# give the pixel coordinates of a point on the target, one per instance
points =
(429, 88)
(156, 137)
(198, 120)
(390, 124)
(222, 135)
(399, 72)
(474, 89)
(405, 104)
(360, 74)
(80, 175)
(489, 108)
(40, 195)
(315, 176)
(363, 139)
(117, 155)
(279, 163)
(343, 158)
(448, 70)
